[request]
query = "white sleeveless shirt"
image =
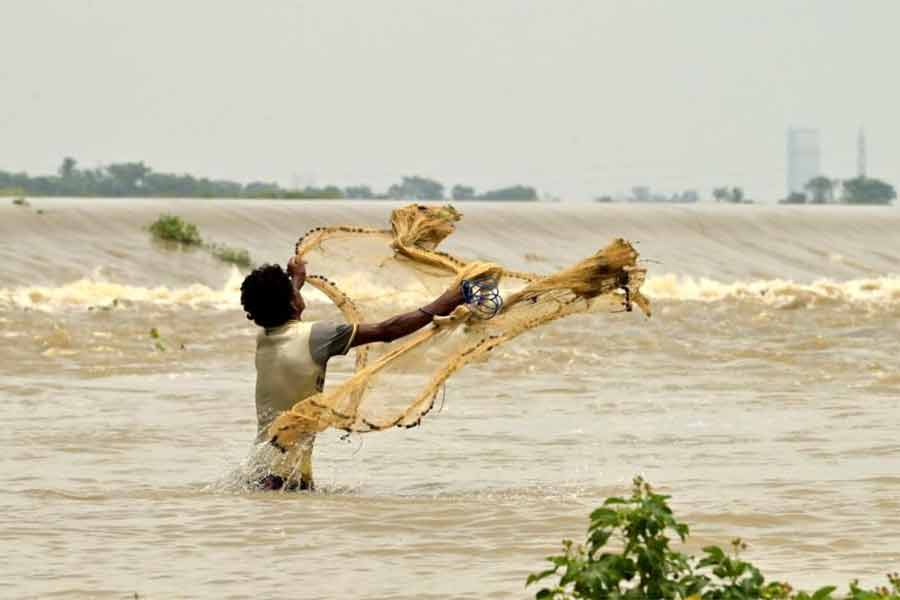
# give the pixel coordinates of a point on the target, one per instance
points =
(290, 366)
(291, 361)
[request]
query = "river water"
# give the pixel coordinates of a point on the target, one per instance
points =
(764, 395)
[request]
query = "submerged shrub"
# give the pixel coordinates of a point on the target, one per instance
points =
(235, 256)
(173, 228)
(643, 565)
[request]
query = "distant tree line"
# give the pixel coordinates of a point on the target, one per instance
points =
(734, 195)
(859, 190)
(643, 194)
(422, 188)
(135, 179)
(819, 190)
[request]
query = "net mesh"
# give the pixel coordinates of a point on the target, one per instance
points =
(374, 274)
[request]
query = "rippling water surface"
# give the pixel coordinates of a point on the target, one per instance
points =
(763, 395)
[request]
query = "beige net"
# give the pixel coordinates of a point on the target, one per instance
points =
(374, 274)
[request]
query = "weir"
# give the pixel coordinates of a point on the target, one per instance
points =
(721, 243)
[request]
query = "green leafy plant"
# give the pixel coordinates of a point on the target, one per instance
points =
(235, 256)
(174, 229)
(157, 339)
(627, 555)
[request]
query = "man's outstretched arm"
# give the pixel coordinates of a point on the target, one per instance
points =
(402, 325)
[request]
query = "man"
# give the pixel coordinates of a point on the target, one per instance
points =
(291, 355)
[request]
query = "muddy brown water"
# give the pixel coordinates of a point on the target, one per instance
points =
(764, 395)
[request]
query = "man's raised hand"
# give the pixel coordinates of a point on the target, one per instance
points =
(296, 269)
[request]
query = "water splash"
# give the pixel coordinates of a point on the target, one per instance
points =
(780, 293)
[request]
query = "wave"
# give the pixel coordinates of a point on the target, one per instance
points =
(779, 293)
(97, 293)
(94, 292)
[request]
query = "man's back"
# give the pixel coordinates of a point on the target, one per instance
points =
(291, 362)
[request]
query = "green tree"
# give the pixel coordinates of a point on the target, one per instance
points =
(127, 178)
(358, 191)
(515, 192)
(794, 198)
(721, 194)
(821, 189)
(328, 192)
(261, 189)
(735, 195)
(67, 168)
(417, 188)
(462, 192)
(865, 190)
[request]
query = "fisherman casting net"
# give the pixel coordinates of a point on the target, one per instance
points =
(395, 270)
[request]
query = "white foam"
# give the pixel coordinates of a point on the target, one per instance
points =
(777, 292)
(96, 292)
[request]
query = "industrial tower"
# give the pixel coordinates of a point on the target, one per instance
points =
(802, 158)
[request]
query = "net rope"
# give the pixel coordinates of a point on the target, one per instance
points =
(376, 273)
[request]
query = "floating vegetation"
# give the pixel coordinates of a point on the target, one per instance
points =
(235, 256)
(172, 228)
(157, 339)
(160, 344)
(643, 566)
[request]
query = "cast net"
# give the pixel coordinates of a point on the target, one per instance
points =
(396, 270)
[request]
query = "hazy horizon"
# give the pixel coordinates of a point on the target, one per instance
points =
(576, 99)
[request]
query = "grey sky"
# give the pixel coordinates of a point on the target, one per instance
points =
(576, 98)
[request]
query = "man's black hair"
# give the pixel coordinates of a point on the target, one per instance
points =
(267, 294)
